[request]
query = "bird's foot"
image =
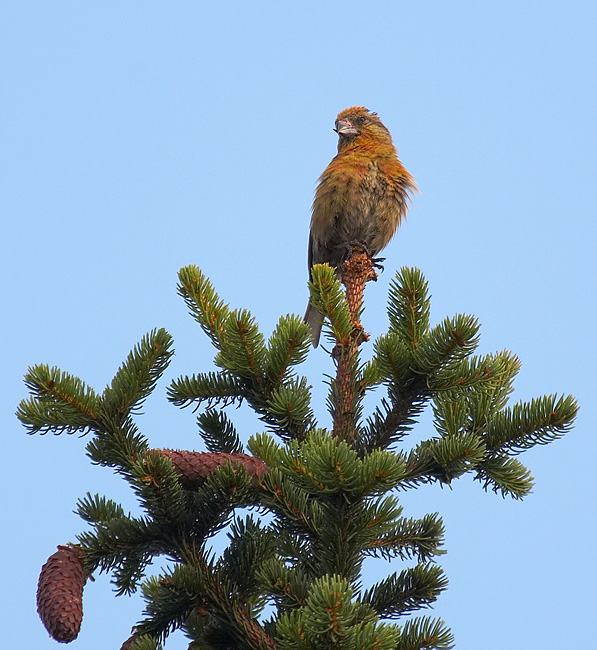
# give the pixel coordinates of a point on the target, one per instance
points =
(377, 262)
(357, 247)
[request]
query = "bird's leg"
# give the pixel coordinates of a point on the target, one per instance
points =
(356, 246)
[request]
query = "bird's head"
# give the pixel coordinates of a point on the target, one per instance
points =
(356, 123)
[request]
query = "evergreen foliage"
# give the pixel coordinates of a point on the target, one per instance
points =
(293, 579)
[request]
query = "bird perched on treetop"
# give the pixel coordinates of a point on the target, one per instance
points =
(361, 198)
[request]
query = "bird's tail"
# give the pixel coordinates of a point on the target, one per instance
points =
(314, 320)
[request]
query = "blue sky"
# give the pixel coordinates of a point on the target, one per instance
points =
(141, 137)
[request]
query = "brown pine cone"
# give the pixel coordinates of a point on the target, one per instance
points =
(194, 467)
(60, 593)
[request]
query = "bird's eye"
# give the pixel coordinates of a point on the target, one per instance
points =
(362, 119)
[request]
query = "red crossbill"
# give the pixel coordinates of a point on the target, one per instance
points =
(361, 198)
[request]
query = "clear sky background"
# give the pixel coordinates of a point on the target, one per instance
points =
(139, 137)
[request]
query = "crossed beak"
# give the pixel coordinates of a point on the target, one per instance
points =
(345, 127)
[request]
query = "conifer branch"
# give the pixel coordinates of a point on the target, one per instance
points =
(214, 388)
(92, 508)
(456, 455)
(288, 346)
(198, 583)
(420, 538)
(394, 359)
(292, 504)
(331, 619)
(408, 306)
(425, 634)
(60, 402)
(391, 421)
(204, 304)
(451, 341)
(525, 425)
(218, 432)
(412, 589)
(505, 475)
(421, 467)
(141, 642)
(244, 352)
(138, 375)
(288, 587)
(493, 372)
(289, 409)
(111, 542)
(171, 598)
(250, 546)
(117, 445)
(327, 297)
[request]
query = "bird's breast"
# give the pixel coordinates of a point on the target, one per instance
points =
(355, 202)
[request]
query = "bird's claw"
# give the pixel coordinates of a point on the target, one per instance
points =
(377, 262)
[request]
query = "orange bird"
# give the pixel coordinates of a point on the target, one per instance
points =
(361, 198)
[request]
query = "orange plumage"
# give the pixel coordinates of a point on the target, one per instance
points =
(361, 198)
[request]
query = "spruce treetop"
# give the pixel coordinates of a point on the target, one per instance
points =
(322, 496)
